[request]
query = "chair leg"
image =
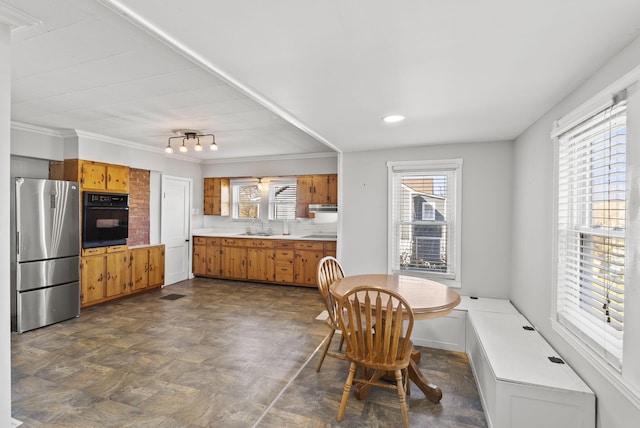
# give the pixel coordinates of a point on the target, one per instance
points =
(407, 384)
(341, 342)
(401, 395)
(347, 389)
(325, 349)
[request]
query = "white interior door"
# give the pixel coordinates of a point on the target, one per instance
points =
(174, 231)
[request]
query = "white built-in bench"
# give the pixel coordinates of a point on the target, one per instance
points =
(518, 384)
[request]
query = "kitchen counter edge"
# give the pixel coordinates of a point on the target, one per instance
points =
(245, 236)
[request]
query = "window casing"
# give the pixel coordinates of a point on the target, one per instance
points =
(424, 218)
(591, 230)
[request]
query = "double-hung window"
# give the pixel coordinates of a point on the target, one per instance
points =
(424, 218)
(282, 199)
(591, 229)
(245, 199)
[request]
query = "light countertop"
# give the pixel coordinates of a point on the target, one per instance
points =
(311, 236)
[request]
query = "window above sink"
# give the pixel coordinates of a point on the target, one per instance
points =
(251, 198)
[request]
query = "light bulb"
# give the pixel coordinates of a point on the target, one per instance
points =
(198, 147)
(168, 149)
(213, 146)
(183, 148)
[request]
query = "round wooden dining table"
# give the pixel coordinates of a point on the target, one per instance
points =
(428, 299)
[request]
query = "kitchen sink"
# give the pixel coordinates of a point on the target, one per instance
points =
(321, 236)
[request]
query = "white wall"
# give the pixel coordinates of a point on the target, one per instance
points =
(322, 164)
(34, 142)
(532, 239)
(29, 167)
(486, 211)
(5, 133)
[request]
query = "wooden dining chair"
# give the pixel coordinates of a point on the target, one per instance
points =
(373, 322)
(329, 270)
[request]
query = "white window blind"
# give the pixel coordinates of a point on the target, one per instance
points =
(282, 200)
(424, 220)
(591, 230)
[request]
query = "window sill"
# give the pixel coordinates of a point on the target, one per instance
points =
(449, 282)
(625, 388)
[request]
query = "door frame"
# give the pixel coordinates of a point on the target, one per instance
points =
(189, 182)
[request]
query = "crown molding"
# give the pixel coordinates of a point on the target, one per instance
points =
(272, 158)
(21, 126)
(15, 18)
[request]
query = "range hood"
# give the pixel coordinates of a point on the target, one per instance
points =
(323, 208)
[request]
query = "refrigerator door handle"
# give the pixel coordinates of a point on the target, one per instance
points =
(17, 242)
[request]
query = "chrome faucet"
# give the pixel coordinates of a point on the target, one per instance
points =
(261, 224)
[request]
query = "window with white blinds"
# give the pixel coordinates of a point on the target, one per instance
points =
(591, 216)
(424, 219)
(282, 199)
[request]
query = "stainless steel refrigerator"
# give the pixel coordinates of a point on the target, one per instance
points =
(45, 248)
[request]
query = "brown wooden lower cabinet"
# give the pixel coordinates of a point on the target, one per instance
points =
(199, 256)
(108, 273)
(93, 278)
(118, 273)
(305, 262)
(263, 260)
(234, 262)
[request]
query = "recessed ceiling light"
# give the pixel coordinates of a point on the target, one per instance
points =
(393, 118)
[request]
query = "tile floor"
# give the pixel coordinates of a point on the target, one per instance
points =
(227, 354)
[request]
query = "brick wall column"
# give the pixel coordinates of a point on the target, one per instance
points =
(139, 193)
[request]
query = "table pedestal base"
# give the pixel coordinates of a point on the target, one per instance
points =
(431, 392)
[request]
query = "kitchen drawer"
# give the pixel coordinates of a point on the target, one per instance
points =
(284, 244)
(260, 243)
(94, 251)
(234, 242)
(199, 240)
(212, 241)
(309, 245)
(284, 255)
(284, 273)
(117, 248)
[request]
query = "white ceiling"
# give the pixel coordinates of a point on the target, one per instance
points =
(305, 76)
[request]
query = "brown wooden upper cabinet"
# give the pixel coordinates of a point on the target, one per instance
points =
(315, 189)
(216, 196)
(97, 176)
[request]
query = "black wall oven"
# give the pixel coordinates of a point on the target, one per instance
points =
(105, 219)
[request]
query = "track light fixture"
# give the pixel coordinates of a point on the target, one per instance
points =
(191, 135)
